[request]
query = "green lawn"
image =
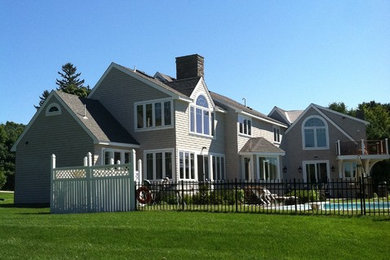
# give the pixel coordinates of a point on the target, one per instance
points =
(34, 233)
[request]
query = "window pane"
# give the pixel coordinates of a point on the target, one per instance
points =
(310, 173)
(201, 101)
(322, 172)
(168, 165)
(309, 138)
(245, 126)
(198, 121)
(127, 157)
(181, 162)
(321, 137)
(212, 123)
(107, 157)
(192, 166)
(206, 167)
(140, 116)
(314, 122)
(159, 166)
(206, 123)
(222, 168)
(149, 166)
(192, 119)
(187, 165)
(149, 115)
(347, 170)
(273, 168)
(117, 157)
(157, 113)
(249, 127)
(241, 126)
(218, 168)
(167, 113)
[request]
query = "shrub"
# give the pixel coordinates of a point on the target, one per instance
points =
(3, 178)
(304, 196)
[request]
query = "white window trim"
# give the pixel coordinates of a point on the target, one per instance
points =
(315, 135)
(55, 113)
(211, 161)
(112, 150)
(258, 173)
(304, 163)
(238, 125)
(163, 151)
(211, 123)
(153, 127)
(277, 130)
(184, 165)
(351, 164)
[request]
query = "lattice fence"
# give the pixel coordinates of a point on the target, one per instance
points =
(92, 188)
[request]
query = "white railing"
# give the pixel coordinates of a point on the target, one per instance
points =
(92, 188)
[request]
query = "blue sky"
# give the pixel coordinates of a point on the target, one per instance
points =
(283, 53)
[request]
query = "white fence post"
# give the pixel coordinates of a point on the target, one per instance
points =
(89, 159)
(52, 167)
(85, 161)
(140, 170)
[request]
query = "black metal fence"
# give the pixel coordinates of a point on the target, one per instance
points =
(341, 197)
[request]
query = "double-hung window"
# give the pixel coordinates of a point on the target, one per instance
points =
(244, 125)
(315, 133)
(218, 163)
(159, 164)
(153, 114)
(187, 165)
(202, 117)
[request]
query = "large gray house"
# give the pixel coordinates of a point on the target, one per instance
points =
(183, 131)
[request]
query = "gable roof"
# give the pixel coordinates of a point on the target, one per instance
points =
(99, 124)
(184, 86)
(145, 78)
(260, 145)
(99, 121)
(318, 109)
(288, 115)
(224, 102)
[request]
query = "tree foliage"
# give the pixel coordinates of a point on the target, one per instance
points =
(68, 83)
(9, 133)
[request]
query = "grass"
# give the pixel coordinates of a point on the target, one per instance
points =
(34, 233)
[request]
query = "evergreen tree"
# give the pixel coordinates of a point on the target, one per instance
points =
(42, 98)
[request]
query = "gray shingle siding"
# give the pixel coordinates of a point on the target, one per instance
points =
(60, 135)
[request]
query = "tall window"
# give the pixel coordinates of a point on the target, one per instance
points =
(159, 164)
(315, 133)
(315, 172)
(187, 165)
(218, 167)
(349, 169)
(201, 117)
(244, 125)
(152, 115)
(276, 135)
(268, 168)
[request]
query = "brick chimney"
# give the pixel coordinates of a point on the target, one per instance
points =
(189, 66)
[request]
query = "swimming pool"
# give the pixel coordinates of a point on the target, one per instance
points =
(377, 205)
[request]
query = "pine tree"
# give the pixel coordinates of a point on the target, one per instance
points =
(42, 98)
(70, 82)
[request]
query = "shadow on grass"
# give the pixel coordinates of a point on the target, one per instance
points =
(31, 206)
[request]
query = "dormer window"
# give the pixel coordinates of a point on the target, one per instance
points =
(53, 110)
(201, 117)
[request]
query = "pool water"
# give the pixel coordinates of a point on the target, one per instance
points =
(377, 205)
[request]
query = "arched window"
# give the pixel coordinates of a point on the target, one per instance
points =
(315, 133)
(202, 101)
(53, 109)
(201, 117)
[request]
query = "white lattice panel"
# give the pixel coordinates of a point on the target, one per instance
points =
(112, 171)
(70, 173)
